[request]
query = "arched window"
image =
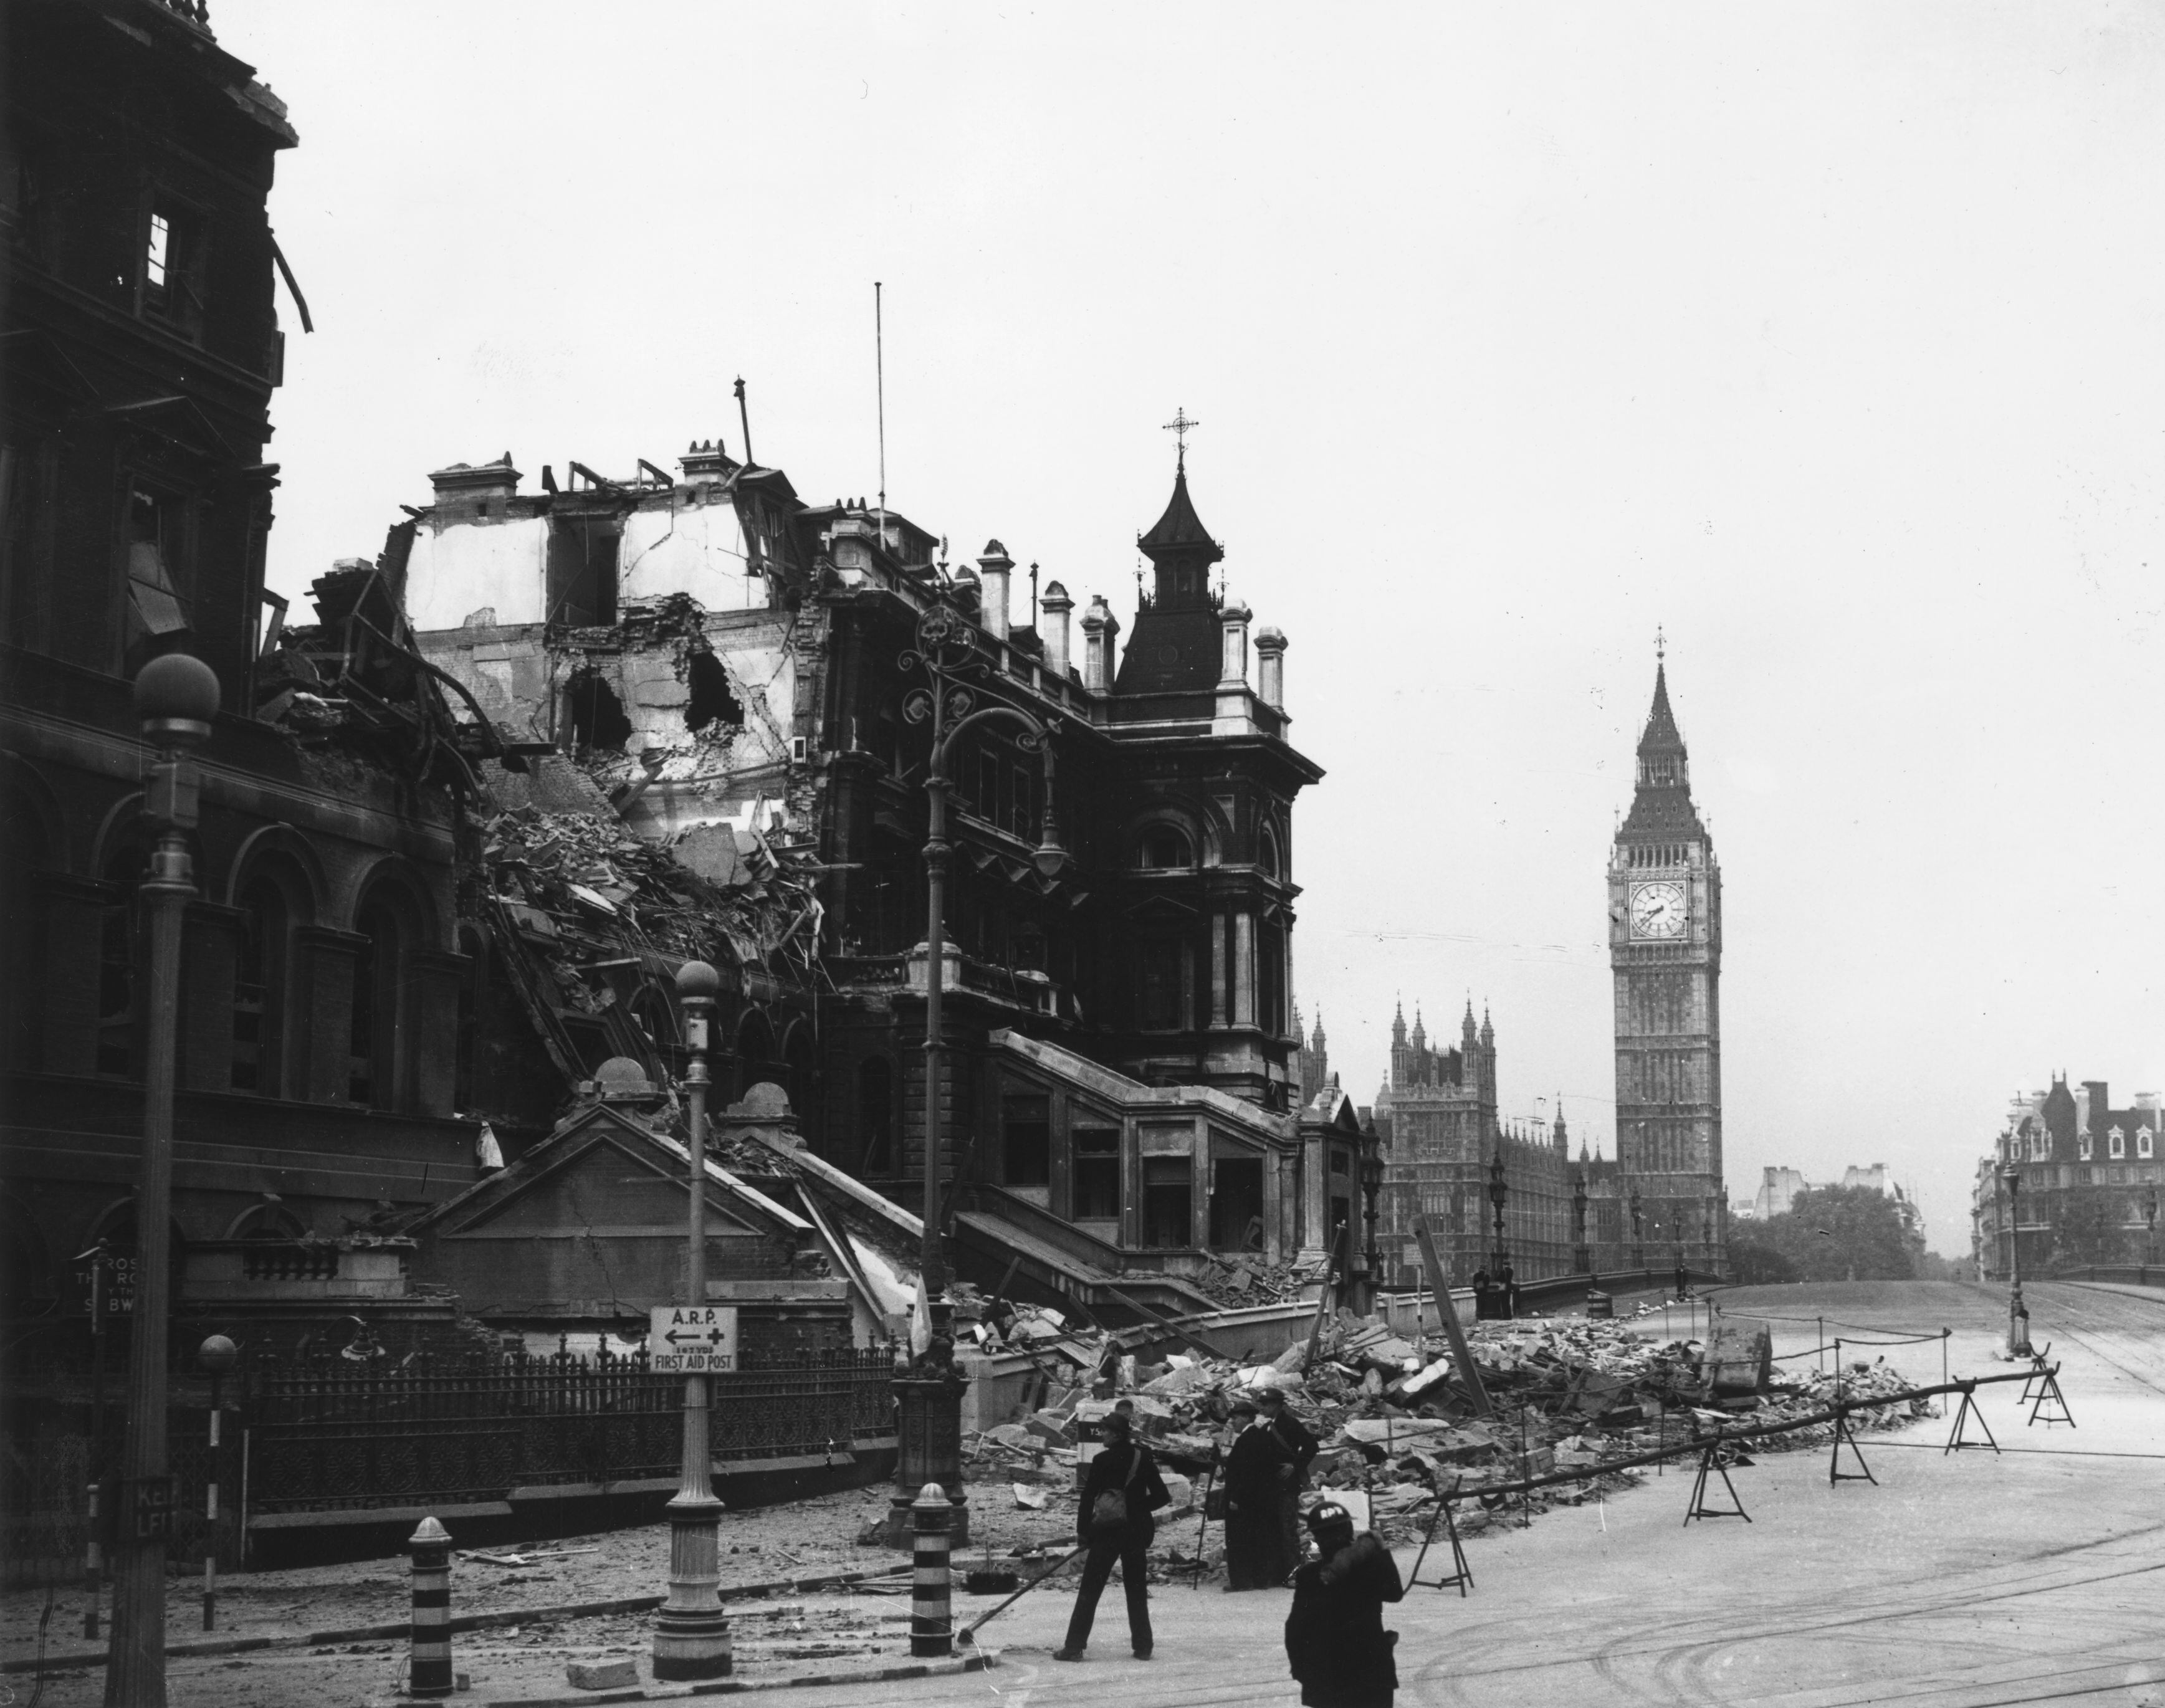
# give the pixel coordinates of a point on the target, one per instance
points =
(382, 1046)
(797, 1064)
(756, 1058)
(1162, 848)
(876, 1115)
(1268, 856)
(268, 1221)
(259, 989)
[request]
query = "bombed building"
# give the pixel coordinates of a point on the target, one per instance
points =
(706, 681)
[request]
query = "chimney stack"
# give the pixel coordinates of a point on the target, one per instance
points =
(993, 569)
(1052, 627)
(1099, 626)
(1233, 621)
(1270, 667)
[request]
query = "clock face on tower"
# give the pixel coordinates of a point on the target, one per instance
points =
(1658, 910)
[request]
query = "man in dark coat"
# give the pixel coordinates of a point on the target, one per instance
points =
(1335, 1638)
(1125, 1468)
(1299, 1446)
(1255, 1557)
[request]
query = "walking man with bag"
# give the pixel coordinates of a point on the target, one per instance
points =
(1120, 1493)
(1335, 1638)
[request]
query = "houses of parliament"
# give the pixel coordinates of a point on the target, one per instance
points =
(1660, 1199)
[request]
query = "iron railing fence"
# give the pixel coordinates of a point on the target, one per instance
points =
(329, 1433)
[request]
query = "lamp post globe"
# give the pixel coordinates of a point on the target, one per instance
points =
(177, 696)
(698, 982)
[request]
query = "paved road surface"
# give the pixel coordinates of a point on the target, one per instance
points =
(1958, 1582)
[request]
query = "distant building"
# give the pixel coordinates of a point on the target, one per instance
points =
(1437, 1117)
(1777, 1189)
(2088, 1180)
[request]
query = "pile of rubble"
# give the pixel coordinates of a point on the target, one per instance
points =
(1395, 1425)
(592, 873)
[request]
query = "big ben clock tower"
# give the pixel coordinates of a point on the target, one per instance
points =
(1665, 952)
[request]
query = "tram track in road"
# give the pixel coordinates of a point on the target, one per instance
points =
(2084, 1322)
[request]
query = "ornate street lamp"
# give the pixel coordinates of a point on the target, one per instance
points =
(1498, 1194)
(2150, 1215)
(929, 1437)
(176, 697)
(2018, 1318)
(691, 1632)
(1638, 1232)
(1581, 1259)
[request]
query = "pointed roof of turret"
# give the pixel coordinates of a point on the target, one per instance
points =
(1420, 1031)
(1661, 735)
(1488, 1031)
(1661, 804)
(1399, 1024)
(1180, 530)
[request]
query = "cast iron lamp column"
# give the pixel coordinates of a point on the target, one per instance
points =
(176, 697)
(2018, 1318)
(691, 1632)
(928, 1437)
(1581, 1259)
(1638, 1231)
(1371, 1187)
(2150, 1215)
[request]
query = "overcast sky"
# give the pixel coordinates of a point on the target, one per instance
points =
(1828, 340)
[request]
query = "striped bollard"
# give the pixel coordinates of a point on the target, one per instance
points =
(931, 1614)
(428, 1672)
(93, 1570)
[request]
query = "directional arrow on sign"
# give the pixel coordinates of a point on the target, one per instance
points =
(713, 1336)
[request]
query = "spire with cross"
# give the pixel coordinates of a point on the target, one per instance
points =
(1178, 427)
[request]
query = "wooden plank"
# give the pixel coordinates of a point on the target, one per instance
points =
(1461, 1353)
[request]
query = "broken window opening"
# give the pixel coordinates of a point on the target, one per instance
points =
(172, 267)
(583, 571)
(1096, 1175)
(1169, 1201)
(161, 234)
(713, 701)
(1027, 1141)
(157, 618)
(596, 715)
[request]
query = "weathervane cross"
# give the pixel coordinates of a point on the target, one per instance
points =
(1661, 645)
(1178, 427)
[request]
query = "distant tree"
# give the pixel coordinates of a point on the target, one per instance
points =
(2091, 1226)
(1756, 1256)
(1837, 1233)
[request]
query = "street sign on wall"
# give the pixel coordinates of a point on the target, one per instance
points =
(684, 1339)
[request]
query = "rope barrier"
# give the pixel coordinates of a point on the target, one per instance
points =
(1828, 1321)
(1699, 1443)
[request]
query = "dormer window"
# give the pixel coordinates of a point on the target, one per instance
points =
(2083, 1148)
(2117, 1141)
(2142, 1143)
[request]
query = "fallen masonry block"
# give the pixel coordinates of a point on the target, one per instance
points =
(1741, 1359)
